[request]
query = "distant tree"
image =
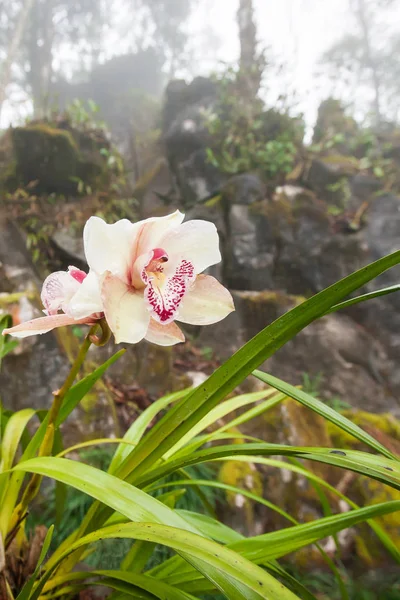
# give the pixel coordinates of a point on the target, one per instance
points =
(251, 60)
(161, 25)
(66, 39)
(14, 45)
(54, 24)
(362, 59)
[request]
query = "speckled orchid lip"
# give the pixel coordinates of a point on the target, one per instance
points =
(142, 277)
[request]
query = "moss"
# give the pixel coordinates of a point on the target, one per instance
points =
(259, 308)
(274, 297)
(9, 176)
(280, 208)
(378, 425)
(345, 165)
(367, 545)
(332, 121)
(244, 476)
(47, 155)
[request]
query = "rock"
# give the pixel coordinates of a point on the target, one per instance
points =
(196, 177)
(364, 187)
(242, 514)
(332, 122)
(292, 423)
(186, 137)
(287, 243)
(249, 251)
(52, 158)
(381, 234)
(329, 176)
(244, 189)
(30, 374)
(56, 156)
(69, 248)
(332, 349)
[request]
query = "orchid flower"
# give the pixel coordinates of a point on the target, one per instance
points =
(143, 277)
(57, 292)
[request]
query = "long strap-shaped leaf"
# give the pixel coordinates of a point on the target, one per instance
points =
(324, 410)
(236, 577)
(188, 412)
(157, 588)
(276, 544)
(230, 573)
(384, 470)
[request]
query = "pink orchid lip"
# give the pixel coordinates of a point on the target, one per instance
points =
(160, 254)
(77, 274)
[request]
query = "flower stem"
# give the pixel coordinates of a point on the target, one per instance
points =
(46, 446)
(59, 395)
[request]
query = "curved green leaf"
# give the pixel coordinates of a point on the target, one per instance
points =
(364, 297)
(377, 467)
(324, 410)
(139, 426)
(181, 418)
(236, 577)
(276, 544)
(12, 436)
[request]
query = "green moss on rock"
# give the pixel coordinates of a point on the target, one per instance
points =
(47, 155)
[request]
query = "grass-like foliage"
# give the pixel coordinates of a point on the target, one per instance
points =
(144, 493)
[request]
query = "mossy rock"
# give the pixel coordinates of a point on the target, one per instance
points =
(47, 155)
(386, 429)
(244, 511)
(368, 547)
(242, 475)
(275, 125)
(331, 121)
(56, 156)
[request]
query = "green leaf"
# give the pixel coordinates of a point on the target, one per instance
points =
(276, 544)
(80, 389)
(11, 439)
(189, 411)
(324, 410)
(157, 588)
(364, 297)
(228, 571)
(211, 527)
(8, 347)
(71, 400)
(139, 426)
(26, 590)
(236, 577)
(384, 470)
(12, 436)
(218, 413)
(5, 323)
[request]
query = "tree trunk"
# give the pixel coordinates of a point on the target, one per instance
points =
(251, 62)
(362, 15)
(13, 48)
(40, 55)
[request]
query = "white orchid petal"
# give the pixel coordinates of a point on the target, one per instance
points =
(163, 295)
(43, 325)
(109, 247)
(164, 335)
(57, 290)
(138, 275)
(196, 241)
(153, 230)
(87, 300)
(125, 310)
(206, 302)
